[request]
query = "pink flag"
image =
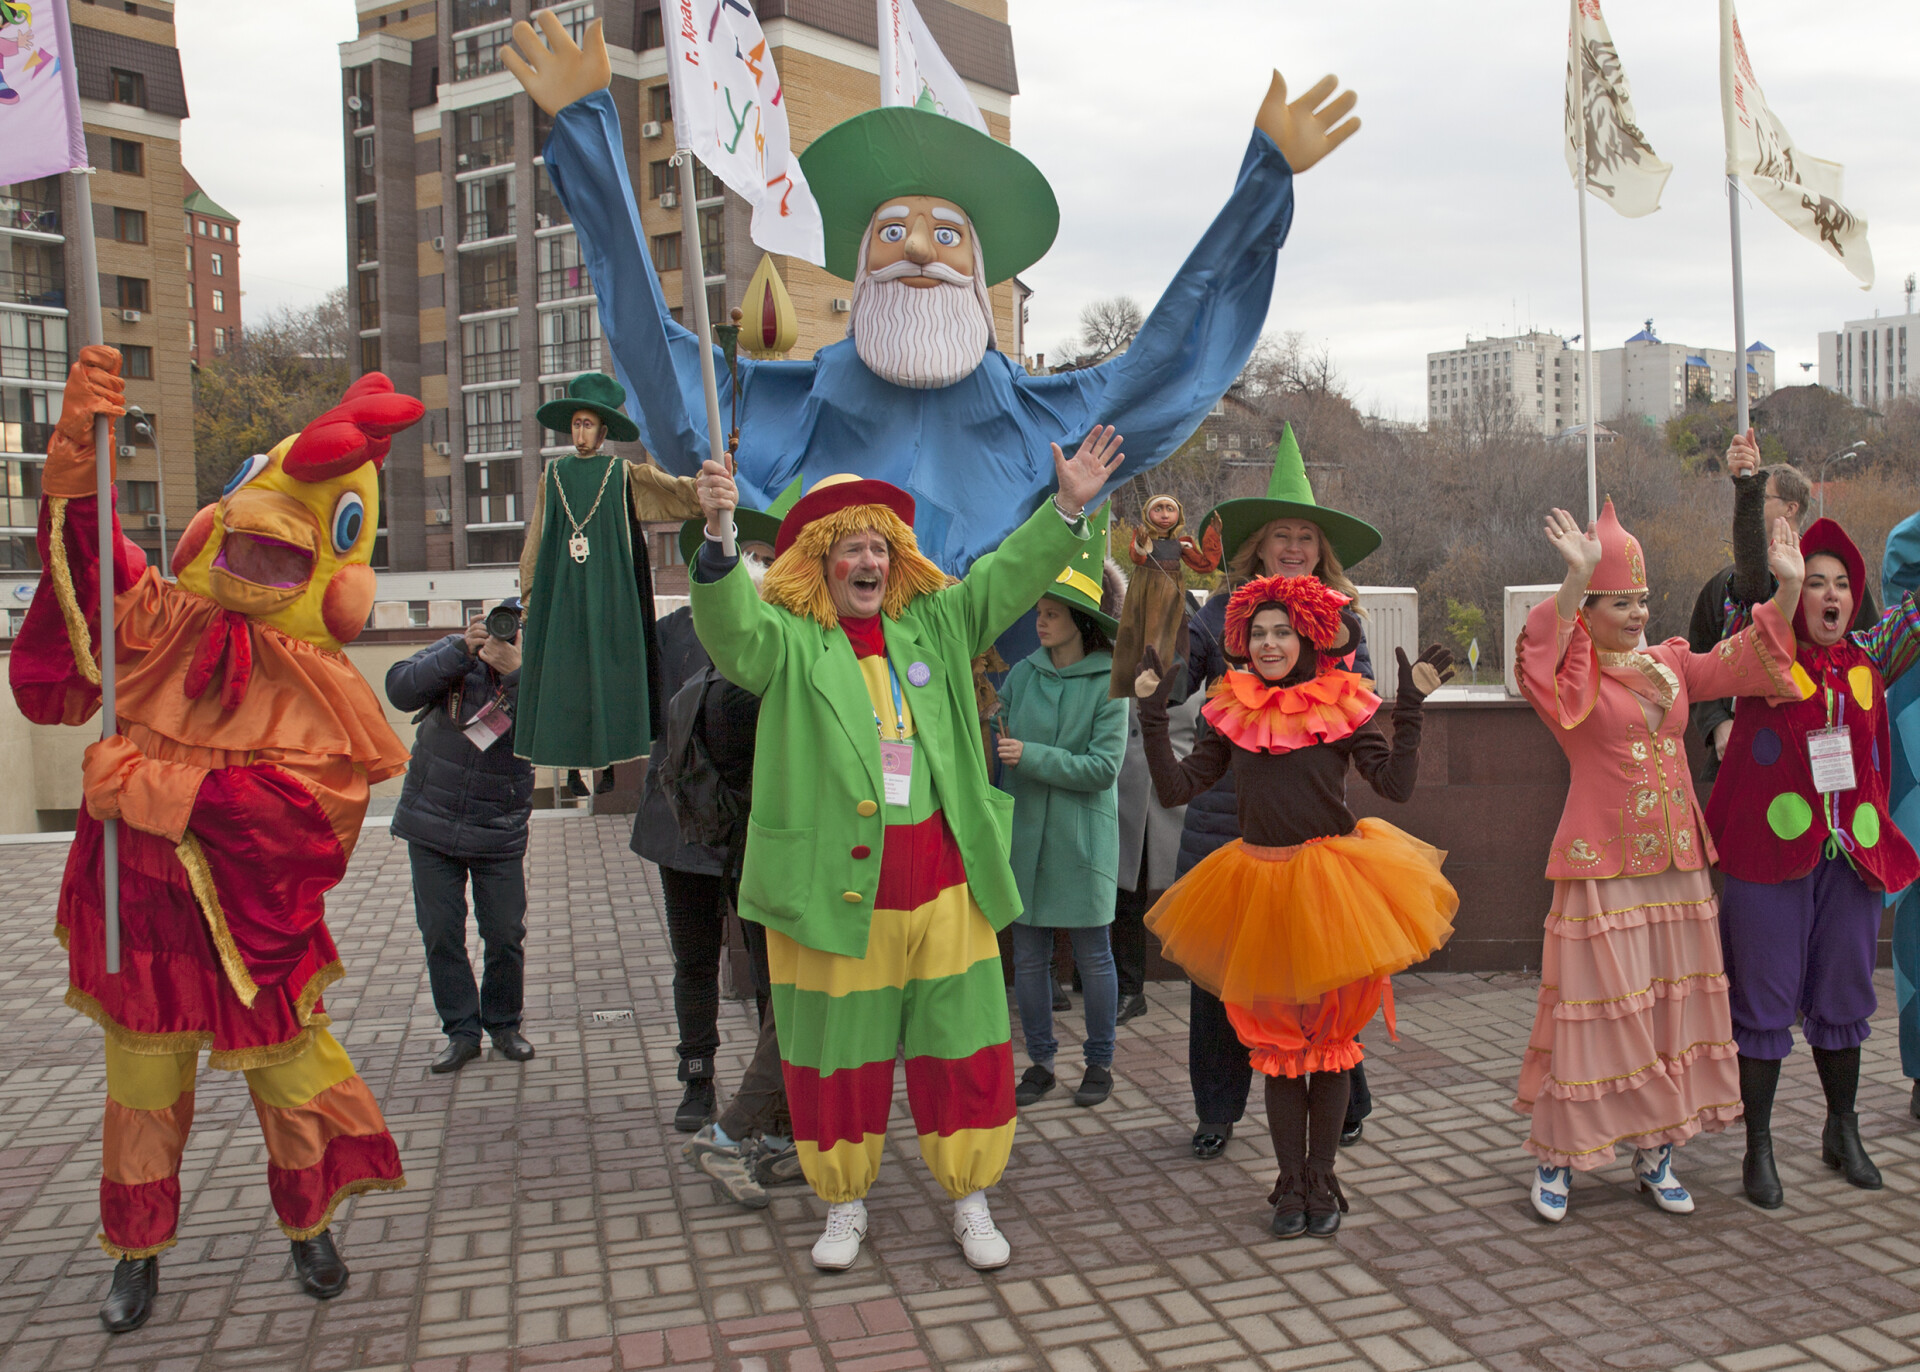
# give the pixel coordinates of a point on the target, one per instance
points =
(40, 129)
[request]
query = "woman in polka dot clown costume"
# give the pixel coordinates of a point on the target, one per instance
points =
(1632, 1041)
(1807, 846)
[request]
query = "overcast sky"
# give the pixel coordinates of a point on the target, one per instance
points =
(1450, 214)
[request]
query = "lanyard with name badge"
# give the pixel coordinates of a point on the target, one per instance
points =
(1830, 750)
(896, 754)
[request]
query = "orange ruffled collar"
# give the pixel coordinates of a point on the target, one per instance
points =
(1278, 719)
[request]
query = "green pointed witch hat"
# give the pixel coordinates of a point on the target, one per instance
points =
(594, 391)
(753, 526)
(1290, 496)
(861, 163)
(1079, 586)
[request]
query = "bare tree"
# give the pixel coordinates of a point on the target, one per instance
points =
(1107, 326)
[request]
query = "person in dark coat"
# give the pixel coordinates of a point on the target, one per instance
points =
(463, 813)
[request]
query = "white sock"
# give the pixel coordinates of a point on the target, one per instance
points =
(973, 1200)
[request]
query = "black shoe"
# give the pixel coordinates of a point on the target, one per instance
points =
(1134, 1006)
(1323, 1224)
(1350, 1134)
(1061, 1000)
(576, 784)
(457, 1054)
(1325, 1202)
(1095, 1086)
(1840, 1148)
(1758, 1176)
(136, 1281)
(1210, 1140)
(1288, 1223)
(509, 1044)
(696, 1106)
(317, 1263)
(604, 785)
(1913, 1103)
(1035, 1082)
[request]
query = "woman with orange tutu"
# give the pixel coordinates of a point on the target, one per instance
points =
(1633, 1039)
(1297, 925)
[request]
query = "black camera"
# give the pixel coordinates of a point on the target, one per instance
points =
(503, 621)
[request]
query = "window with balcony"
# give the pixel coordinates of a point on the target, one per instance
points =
(32, 205)
(666, 252)
(548, 211)
(493, 493)
(486, 208)
(488, 280)
(127, 157)
(359, 96)
(27, 417)
(575, 18)
(562, 274)
(483, 136)
(131, 292)
(489, 350)
(570, 340)
(367, 295)
(471, 14)
(129, 88)
(492, 420)
(22, 494)
(485, 547)
(366, 230)
(478, 53)
(34, 273)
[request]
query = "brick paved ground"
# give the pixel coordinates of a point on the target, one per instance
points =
(549, 1213)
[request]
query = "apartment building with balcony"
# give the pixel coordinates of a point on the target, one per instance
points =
(213, 274)
(132, 101)
(465, 275)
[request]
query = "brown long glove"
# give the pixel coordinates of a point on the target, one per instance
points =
(1425, 675)
(94, 388)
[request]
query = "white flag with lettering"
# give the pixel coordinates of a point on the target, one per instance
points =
(1805, 191)
(913, 70)
(729, 110)
(1621, 167)
(40, 130)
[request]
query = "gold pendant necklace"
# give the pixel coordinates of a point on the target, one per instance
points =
(577, 545)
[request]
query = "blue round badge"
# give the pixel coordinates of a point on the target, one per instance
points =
(919, 674)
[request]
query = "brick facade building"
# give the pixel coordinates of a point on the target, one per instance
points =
(213, 274)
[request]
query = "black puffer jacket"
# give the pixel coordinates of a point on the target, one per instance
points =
(1213, 816)
(459, 800)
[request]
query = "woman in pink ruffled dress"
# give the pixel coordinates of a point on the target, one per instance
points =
(1632, 1042)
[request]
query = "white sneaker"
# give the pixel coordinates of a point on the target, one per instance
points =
(839, 1244)
(1653, 1167)
(980, 1240)
(1552, 1189)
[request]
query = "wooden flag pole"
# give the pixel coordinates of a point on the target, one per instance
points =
(693, 269)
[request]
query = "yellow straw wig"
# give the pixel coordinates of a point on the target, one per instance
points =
(797, 580)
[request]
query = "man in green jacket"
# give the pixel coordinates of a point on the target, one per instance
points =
(877, 848)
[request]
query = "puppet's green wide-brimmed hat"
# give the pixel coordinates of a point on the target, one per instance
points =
(859, 164)
(594, 391)
(1079, 586)
(752, 526)
(1290, 496)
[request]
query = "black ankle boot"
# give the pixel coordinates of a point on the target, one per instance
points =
(322, 1271)
(136, 1281)
(1840, 1149)
(1758, 1176)
(1289, 1202)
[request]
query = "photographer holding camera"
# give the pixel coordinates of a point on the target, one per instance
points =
(463, 813)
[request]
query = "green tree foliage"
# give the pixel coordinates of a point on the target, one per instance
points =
(282, 373)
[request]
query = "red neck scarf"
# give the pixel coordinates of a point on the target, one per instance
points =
(868, 635)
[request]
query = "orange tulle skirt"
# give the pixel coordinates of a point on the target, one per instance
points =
(1299, 942)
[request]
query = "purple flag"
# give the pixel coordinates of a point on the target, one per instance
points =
(40, 129)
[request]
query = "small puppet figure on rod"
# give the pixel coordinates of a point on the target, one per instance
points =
(1155, 609)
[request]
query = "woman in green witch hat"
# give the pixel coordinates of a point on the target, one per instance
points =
(1060, 753)
(1283, 533)
(590, 679)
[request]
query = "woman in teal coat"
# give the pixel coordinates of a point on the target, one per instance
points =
(1060, 748)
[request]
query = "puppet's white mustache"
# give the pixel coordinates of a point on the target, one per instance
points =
(940, 271)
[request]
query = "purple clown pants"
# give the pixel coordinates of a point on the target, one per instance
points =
(1800, 948)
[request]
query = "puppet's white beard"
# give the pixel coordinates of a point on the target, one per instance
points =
(922, 337)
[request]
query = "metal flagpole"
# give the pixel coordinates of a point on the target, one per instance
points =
(1579, 60)
(1739, 310)
(692, 268)
(90, 331)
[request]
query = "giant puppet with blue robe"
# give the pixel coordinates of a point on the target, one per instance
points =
(923, 214)
(1900, 572)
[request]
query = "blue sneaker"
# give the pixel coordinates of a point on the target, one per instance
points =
(1552, 1188)
(1654, 1169)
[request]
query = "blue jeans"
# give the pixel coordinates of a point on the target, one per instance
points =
(1033, 990)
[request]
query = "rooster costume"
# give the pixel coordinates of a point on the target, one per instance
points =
(246, 748)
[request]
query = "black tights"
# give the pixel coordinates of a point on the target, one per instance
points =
(1305, 1116)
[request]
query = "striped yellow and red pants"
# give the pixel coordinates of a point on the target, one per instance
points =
(930, 983)
(325, 1137)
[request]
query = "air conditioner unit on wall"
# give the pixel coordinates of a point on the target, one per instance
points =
(153, 521)
(842, 305)
(126, 450)
(130, 316)
(439, 242)
(650, 129)
(444, 448)
(668, 200)
(440, 516)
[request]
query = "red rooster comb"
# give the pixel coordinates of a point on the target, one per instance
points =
(1312, 606)
(359, 429)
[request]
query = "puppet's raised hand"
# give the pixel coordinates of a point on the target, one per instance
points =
(558, 71)
(1082, 475)
(1307, 130)
(1424, 675)
(1152, 680)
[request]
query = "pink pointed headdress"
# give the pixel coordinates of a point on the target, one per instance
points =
(1623, 568)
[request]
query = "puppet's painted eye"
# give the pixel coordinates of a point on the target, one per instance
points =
(245, 472)
(892, 233)
(947, 238)
(348, 516)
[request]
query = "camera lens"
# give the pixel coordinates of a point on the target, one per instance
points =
(503, 622)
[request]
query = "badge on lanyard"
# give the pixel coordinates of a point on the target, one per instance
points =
(1830, 754)
(896, 754)
(489, 726)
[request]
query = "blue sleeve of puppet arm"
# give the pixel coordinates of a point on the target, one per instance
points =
(587, 163)
(1009, 581)
(1198, 337)
(1900, 568)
